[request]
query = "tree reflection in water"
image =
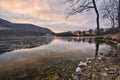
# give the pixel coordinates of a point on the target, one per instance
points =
(97, 48)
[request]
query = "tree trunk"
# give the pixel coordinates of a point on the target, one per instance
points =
(97, 19)
(113, 26)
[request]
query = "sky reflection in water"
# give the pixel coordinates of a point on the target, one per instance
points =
(68, 48)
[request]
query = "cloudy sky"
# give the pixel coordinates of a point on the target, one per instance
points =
(45, 13)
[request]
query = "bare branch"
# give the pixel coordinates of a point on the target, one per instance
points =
(78, 6)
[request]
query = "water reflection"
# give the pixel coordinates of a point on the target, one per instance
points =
(7, 45)
(57, 59)
(78, 39)
(97, 49)
(90, 40)
(53, 47)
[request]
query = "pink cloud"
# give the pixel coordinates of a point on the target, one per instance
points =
(47, 13)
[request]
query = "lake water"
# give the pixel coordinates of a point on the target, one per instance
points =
(46, 58)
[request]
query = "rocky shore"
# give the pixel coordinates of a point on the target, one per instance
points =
(112, 38)
(104, 67)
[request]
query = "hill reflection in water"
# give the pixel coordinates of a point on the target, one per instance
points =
(7, 45)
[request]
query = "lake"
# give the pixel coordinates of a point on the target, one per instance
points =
(46, 58)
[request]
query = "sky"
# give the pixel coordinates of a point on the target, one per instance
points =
(45, 13)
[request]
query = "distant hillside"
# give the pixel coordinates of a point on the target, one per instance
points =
(14, 29)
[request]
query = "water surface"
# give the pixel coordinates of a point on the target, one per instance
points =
(46, 58)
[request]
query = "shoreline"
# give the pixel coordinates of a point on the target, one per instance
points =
(112, 38)
(105, 67)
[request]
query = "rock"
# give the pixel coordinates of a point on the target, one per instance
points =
(82, 64)
(111, 72)
(88, 62)
(103, 74)
(106, 69)
(78, 70)
(99, 58)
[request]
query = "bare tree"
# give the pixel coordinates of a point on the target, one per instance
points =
(78, 6)
(110, 11)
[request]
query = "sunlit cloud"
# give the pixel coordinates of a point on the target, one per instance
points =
(45, 13)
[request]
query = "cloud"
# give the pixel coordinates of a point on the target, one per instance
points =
(46, 13)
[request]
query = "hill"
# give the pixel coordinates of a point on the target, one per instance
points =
(15, 29)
